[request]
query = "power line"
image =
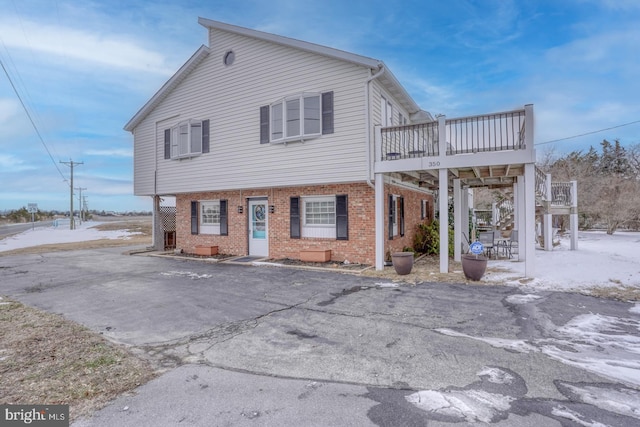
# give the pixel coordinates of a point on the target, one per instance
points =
(588, 133)
(32, 122)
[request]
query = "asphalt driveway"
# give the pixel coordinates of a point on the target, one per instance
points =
(247, 345)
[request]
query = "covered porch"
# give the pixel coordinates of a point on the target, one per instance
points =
(453, 156)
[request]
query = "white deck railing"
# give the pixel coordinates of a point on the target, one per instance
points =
(473, 134)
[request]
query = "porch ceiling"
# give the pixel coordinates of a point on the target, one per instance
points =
(495, 176)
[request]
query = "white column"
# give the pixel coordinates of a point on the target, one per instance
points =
(529, 224)
(516, 206)
(465, 218)
(573, 218)
(457, 220)
(547, 230)
(380, 217)
(158, 232)
(443, 196)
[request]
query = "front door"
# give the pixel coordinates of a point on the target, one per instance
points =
(258, 228)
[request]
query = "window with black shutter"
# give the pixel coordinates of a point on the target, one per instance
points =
(224, 218)
(194, 217)
(294, 217)
(342, 217)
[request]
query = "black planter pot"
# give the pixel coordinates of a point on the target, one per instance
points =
(473, 266)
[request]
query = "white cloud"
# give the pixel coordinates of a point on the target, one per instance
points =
(75, 44)
(120, 152)
(8, 110)
(10, 163)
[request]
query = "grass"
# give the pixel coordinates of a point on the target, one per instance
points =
(46, 359)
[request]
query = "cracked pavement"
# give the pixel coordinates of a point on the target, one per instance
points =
(244, 345)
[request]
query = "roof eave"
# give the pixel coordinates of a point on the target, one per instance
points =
(188, 66)
(298, 44)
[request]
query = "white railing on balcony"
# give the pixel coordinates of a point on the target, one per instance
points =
(474, 134)
(403, 142)
(492, 132)
(561, 193)
(504, 212)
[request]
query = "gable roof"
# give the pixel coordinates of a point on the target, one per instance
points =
(387, 79)
(188, 66)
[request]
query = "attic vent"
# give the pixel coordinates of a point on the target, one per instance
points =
(229, 57)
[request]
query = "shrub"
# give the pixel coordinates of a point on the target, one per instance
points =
(427, 238)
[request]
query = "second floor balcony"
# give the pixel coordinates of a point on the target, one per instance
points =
(483, 150)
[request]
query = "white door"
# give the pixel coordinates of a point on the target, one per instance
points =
(258, 228)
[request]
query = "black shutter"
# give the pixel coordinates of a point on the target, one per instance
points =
(294, 217)
(390, 217)
(264, 124)
(402, 216)
(342, 218)
(422, 209)
(205, 136)
(327, 113)
(224, 218)
(167, 143)
(194, 217)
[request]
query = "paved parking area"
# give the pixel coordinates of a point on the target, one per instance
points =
(280, 346)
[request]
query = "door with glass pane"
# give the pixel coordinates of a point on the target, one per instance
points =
(258, 228)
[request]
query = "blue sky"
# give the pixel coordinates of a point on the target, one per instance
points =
(84, 68)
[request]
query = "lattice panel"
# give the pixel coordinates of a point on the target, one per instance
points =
(168, 218)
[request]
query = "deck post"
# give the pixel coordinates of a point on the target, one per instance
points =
(379, 219)
(547, 222)
(465, 219)
(457, 220)
(529, 223)
(158, 232)
(573, 218)
(443, 208)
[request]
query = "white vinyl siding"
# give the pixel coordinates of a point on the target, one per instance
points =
(231, 97)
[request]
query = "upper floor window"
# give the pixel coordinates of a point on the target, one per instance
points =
(298, 117)
(186, 139)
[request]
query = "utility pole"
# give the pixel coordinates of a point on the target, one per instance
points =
(85, 208)
(71, 164)
(80, 203)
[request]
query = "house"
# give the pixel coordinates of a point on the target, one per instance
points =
(275, 147)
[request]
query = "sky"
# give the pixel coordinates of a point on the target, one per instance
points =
(82, 69)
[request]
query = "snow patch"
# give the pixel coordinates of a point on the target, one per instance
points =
(564, 412)
(465, 405)
(496, 375)
(635, 309)
(522, 299)
(623, 402)
(190, 275)
(387, 285)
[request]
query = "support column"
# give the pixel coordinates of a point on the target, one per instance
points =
(547, 222)
(573, 218)
(443, 196)
(516, 206)
(465, 219)
(457, 220)
(529, 224)
(379, 218)
(158, 232)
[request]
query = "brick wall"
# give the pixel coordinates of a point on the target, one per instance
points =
(360, 248)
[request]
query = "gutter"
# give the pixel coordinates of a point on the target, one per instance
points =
(380, 72)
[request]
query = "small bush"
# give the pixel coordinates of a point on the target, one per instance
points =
(427, 238)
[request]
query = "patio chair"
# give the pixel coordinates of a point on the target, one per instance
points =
(513, 242)
(487, 240)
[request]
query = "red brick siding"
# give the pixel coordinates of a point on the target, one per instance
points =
(360, 248)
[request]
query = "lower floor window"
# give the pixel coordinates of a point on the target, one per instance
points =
(210, 217)
(319, 217)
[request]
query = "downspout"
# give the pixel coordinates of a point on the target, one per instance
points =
(368, 121)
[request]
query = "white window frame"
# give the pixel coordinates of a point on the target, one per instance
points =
(327, 230)
(292, 124)
(186, 139)
(213, 226)
(386, 112)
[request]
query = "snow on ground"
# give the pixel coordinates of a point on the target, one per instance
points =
(61, 234)
(601, 260)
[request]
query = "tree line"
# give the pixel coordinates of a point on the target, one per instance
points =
(608, 183)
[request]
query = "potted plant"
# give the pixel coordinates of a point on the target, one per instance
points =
(474, 264)
(402, 262)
